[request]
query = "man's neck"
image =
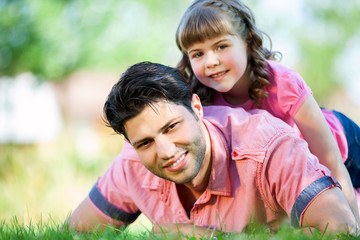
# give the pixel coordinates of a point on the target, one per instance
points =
(191, 191)
(187, 197)
(200, 182)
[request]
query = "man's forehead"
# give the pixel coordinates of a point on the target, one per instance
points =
(153, 118)
(160, 107)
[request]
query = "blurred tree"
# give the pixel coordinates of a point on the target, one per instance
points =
(52, 38)
(328, 27)
(27, 30)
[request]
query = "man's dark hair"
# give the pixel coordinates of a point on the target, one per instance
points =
(142, 85)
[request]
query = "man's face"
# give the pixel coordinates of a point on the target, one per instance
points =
(170, 141)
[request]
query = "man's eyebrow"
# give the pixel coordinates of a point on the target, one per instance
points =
(134, 144)
(163, 128)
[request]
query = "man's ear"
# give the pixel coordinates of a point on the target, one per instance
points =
(196, 105)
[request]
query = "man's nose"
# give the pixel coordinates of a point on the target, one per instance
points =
(165, 148)
(212, 59)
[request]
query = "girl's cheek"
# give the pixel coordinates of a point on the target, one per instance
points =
(196, 66)
(197, 75)
(193, 64)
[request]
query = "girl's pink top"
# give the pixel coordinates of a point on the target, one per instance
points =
(287, 92)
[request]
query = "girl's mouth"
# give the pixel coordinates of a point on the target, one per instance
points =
(219, 74)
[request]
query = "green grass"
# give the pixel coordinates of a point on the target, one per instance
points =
(47, 181)
(16, 230)
(51, 230)
(41, 184)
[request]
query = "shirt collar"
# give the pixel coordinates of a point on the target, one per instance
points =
(219, 182)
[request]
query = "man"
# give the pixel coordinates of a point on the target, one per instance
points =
(225, 170)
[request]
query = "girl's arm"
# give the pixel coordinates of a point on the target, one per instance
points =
(316, 132)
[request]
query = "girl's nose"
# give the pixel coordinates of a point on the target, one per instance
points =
(165, 148)
(212, 59)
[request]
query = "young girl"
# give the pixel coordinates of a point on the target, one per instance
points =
(224, 58)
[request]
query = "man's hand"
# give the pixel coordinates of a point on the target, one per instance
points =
(183, 229)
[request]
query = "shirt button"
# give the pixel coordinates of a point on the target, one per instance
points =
(235, 154)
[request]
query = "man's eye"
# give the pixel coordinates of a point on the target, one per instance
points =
(172, 126)
(144, 144)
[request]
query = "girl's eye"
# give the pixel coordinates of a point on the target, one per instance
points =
(197, 55)
(222, 47)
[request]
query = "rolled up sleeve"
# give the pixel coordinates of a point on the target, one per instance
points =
(291, 177)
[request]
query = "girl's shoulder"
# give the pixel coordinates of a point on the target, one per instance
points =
(281, 74)
(287, 91)
(278, 68)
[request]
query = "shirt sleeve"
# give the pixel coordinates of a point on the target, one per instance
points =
(337, 131)
(112, 192)
(292, 90)
(291, 177)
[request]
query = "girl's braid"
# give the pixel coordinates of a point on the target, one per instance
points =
(257, 54)
(257, 67)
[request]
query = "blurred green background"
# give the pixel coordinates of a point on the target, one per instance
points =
(75, 50)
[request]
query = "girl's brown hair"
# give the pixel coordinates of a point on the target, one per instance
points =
(207, 19)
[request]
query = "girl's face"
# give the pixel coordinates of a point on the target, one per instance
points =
(220, 63)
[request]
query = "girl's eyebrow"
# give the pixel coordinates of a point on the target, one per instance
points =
(214, 44)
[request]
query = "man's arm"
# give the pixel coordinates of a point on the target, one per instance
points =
(315, 130)
(293, 178)
(90, 213)
(331, 212)
(87, 217)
